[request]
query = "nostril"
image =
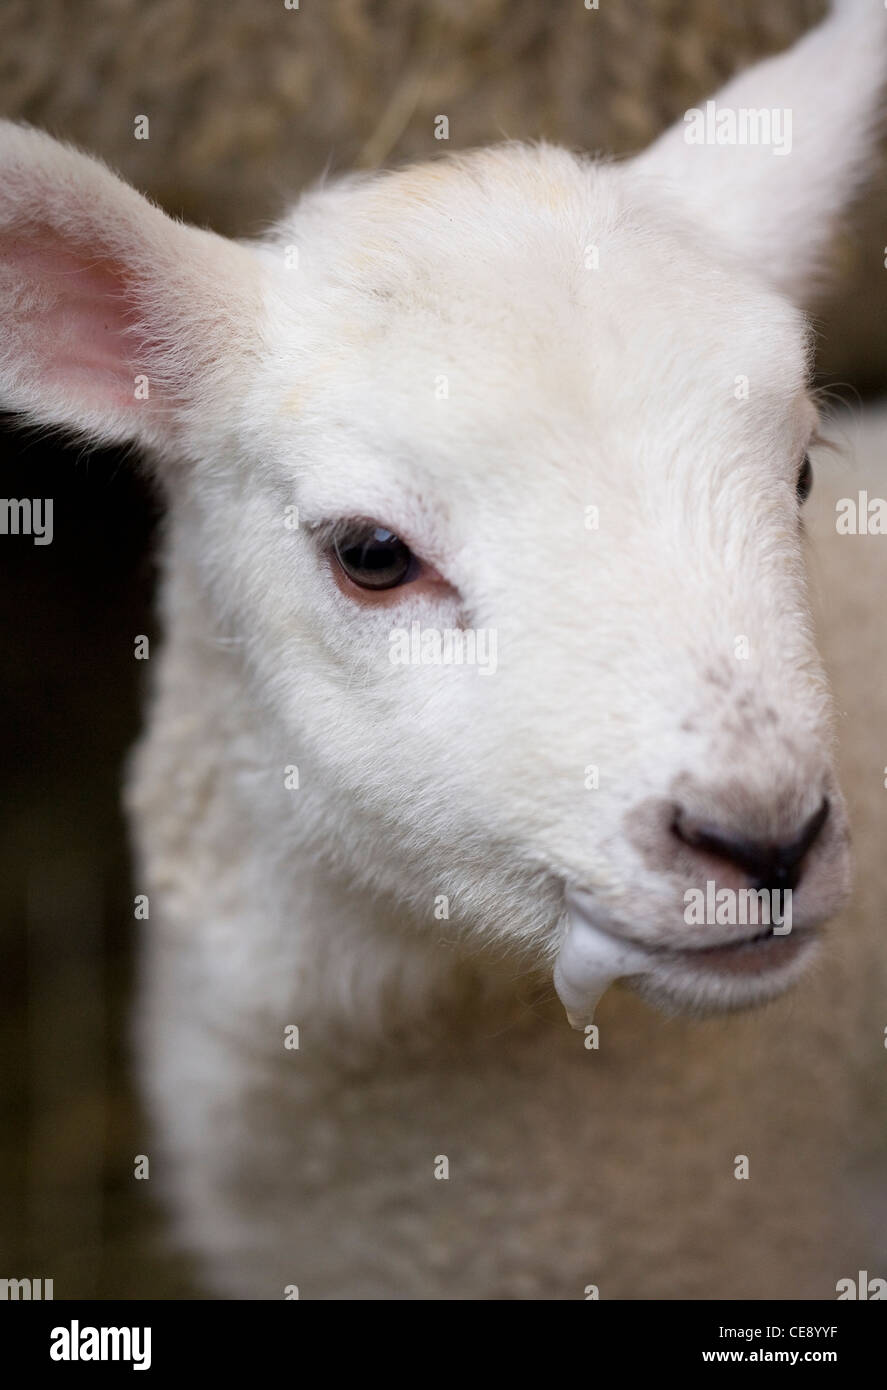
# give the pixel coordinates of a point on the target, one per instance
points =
(769, 864)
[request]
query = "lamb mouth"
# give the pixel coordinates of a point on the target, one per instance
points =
(752, 955)
(765, 938)
(724, 975)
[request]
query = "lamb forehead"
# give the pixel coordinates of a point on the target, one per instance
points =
(529, 246)
(470, 281)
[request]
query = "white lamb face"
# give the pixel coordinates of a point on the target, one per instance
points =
(562, 407)
(653, 659)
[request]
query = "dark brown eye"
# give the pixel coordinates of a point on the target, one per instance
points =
(805, 480)
(373, 557)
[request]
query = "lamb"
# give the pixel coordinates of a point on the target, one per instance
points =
(566, 402)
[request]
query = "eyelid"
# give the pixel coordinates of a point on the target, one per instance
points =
(327, 532)
(814, 424)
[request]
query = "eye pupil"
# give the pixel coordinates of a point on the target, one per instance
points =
(373, 557)
(805, 480)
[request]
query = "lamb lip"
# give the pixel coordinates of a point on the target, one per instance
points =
(760, 953)
(767, 934)
(764, 937)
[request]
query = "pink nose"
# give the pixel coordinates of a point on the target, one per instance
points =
(770, 864)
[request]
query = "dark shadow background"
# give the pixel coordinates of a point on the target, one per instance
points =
(246, 101)
(69, 613)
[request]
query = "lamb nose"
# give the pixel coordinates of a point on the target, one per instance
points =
(770, 864)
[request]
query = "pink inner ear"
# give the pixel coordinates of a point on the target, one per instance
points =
(74, 318)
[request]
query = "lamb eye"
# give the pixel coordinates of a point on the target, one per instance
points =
(373, 557)
(805, 480)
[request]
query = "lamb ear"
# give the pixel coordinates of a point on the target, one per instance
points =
(114, 318)
(778, 211)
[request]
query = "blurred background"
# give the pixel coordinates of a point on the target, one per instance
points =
(248, 102)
